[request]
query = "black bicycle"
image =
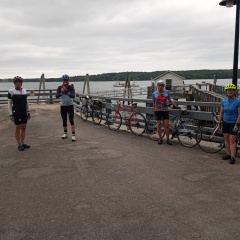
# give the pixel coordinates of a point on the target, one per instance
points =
(91, 108)
(181, 127)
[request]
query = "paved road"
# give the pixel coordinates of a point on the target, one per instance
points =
(111, 186)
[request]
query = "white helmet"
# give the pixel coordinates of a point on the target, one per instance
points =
(160, 82)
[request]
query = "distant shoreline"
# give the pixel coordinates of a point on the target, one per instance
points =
(141, 76)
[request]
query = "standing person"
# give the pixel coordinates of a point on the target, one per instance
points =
(230, 117)
(161, 98)
(18, 108)
(67, 93)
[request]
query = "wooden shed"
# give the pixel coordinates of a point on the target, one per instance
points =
(170, 79)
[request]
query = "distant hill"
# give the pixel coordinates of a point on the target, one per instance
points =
(141, 76)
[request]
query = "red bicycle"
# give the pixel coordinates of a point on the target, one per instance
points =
(136, 122)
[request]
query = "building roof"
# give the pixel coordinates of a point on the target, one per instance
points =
(167, 73)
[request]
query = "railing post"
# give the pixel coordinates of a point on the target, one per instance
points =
(51, 98)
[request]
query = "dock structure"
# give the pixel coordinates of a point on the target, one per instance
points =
(110, 185)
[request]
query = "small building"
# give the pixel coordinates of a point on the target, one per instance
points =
(170, 79)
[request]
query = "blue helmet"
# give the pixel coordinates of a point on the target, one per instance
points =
(65, 77)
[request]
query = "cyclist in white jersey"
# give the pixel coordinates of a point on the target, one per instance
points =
(18, 108)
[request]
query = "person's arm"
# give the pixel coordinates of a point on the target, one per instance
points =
(174, 104)
(10, 103)
(171, 101)
(71, 92)
(10, 106)
(28, 110)
(220, 117)
(238, 119)
(59, 92)
(153, 99)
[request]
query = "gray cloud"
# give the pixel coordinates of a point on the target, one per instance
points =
(96, 36)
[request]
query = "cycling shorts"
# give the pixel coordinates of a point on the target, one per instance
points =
(161, 115)
(228, 128)
(20, 119)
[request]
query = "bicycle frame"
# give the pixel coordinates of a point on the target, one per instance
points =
(214, 132)
(129, 109)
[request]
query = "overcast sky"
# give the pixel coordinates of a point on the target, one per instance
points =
(100, 36)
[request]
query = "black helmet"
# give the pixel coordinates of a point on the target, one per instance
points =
(17, 79)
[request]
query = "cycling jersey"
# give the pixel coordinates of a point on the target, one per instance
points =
(66, 96)
(230, 109)
(17, 102)
(161, 99)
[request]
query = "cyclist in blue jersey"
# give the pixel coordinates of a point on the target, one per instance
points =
(161, 99)
(67, 93)
(230, 118)
(18, 108)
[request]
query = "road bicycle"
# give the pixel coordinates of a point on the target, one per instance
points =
(210, 137)
(91, 108)
(182, 128)
(136, 122)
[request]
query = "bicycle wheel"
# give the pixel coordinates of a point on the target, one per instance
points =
(209, 142)
(137, 124)
(84, 113)
(97, 115)
(152, 129)
(114, 121)
(187, 133)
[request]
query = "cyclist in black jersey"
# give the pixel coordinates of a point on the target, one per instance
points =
(18, 108)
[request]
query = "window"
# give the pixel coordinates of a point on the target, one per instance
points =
(169, 84)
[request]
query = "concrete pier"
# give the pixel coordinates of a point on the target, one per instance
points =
(111, 185)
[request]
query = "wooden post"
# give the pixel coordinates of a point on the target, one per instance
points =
(41, 85)
(127, 88)
(86, 83)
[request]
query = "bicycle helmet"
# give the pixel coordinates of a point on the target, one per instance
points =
(17, 79)
(230, 86)
(65, 77)
(160, 83)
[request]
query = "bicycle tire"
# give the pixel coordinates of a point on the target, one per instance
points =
(214, 145)
(114, 122)
(97, 115)
(187, 134)
(84, 113)
(137, 124)
(151, 129)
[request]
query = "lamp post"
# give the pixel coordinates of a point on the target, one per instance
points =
(230, 3)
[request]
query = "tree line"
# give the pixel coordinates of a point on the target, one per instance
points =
(141, 76)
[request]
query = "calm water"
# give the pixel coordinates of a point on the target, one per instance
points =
(98, 86)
